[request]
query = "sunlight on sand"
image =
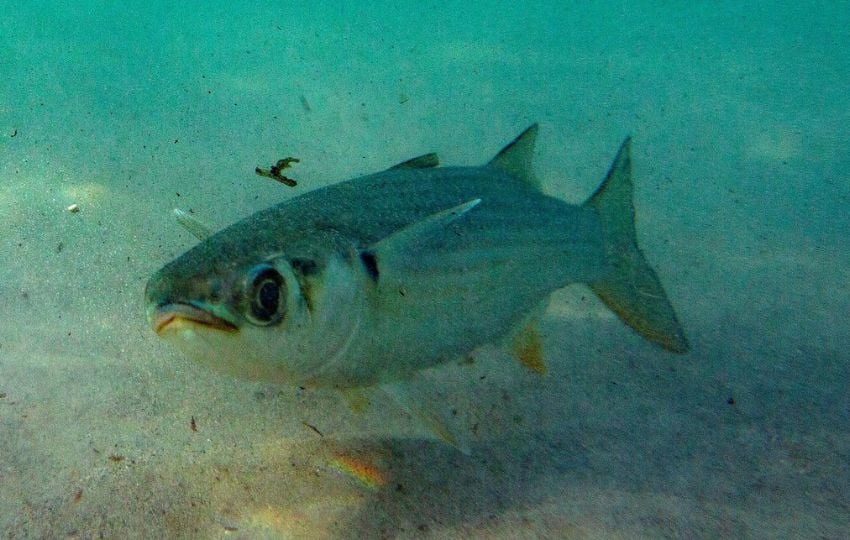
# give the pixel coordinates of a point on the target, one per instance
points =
(311, 519)
(775, 145)
(577, 302)
(84, 192)
(30, 191)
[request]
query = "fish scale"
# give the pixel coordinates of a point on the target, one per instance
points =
(363, 284)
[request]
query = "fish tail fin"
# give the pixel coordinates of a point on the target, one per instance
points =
(632, 290)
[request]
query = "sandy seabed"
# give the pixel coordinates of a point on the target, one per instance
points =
(739, 123)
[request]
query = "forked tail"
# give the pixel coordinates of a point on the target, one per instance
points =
(632, 290)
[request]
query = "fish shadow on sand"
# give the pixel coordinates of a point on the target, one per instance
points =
(571, 451)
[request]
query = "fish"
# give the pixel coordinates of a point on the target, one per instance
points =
(362, 285)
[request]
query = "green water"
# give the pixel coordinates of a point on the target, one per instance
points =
(739, 115)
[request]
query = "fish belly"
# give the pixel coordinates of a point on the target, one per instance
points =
(471, 285)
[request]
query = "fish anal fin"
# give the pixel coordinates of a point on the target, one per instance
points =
(516, 157)
(425, 161)
(528, 349)
(358, 399)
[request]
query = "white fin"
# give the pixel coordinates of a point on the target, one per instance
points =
(408, 240)
(189, 222)
(360, 398)
(430, 419)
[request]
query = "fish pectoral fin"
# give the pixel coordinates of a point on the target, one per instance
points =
(425, 161)
(430, 419)
(196, 228)
(358, 399)
(406, 242)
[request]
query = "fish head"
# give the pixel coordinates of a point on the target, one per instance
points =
(255, 314)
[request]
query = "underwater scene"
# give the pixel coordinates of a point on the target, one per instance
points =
(283, 269)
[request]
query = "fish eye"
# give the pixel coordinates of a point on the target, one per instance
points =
(266, 294)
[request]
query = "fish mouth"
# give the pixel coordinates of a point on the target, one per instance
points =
(176, 315)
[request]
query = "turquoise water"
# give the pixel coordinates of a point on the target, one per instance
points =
(739, 117)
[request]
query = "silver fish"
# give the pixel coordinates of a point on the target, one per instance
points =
(368, 281)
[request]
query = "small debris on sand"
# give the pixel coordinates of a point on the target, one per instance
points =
(314, 428)
(275, 171)
(305, 104)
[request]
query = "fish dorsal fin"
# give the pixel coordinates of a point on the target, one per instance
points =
(425, 161)
(196, 228)
(515, 158)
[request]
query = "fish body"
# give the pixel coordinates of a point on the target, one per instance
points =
(373, 279)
